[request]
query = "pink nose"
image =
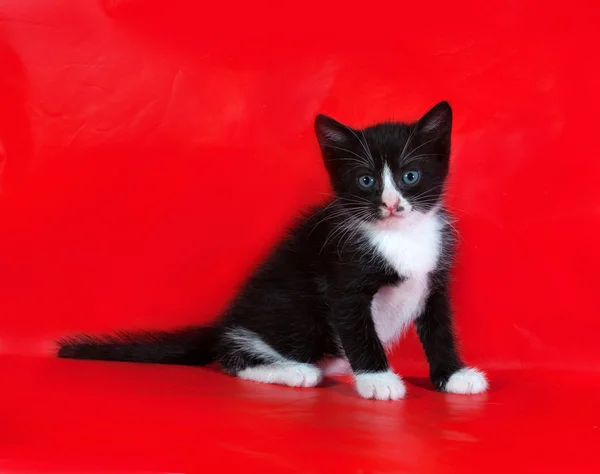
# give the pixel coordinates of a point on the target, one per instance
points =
(393, 207)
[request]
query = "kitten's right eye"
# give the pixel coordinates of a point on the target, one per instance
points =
(366, 182)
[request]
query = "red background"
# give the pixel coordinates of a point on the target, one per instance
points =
(152, 152)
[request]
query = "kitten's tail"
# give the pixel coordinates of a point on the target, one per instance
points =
(189, 346)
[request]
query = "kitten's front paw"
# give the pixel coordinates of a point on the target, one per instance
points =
(380, 386)
(467, 381)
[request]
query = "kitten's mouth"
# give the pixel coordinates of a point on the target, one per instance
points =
(392, 220)
(391, 216)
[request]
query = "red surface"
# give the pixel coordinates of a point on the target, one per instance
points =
(130, 129)
(102, 417)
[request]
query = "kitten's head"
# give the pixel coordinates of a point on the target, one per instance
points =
(391, 173)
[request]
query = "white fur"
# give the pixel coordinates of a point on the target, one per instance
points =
(284, 373)
(412, 247)
(249, 342)
(390, 194)
(277, 369)
(380, 386)
(467, 381)
(395, 307)
(413, 250)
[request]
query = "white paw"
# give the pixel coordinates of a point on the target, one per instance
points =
(291, 374)
(380, 386)
(302, 375)
(467, 381)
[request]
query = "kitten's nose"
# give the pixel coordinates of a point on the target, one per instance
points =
(396, 207)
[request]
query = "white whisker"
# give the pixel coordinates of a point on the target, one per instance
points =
(420, 146)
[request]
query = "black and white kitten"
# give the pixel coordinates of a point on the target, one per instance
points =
(347, 280)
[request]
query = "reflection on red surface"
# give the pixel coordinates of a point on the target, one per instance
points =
(126, 127)
(75, 416)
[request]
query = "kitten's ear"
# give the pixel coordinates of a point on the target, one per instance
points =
(331, 133)
(435, 128)
(437, 122)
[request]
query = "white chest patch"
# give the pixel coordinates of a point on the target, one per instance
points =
(413, 251)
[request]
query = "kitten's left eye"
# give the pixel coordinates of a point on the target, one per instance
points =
(411, 177)
(366, 182)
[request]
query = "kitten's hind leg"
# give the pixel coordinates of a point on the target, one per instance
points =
(244, 354)
(293, 374)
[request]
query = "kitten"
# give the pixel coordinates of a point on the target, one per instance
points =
(347, 280)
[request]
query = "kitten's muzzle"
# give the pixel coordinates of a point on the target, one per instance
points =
(387, 214)
(392, 210)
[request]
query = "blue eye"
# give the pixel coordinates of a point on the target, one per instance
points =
(366, 182)
(411, 177)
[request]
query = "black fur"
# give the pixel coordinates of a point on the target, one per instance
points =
(186, 346)
(312, 296)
